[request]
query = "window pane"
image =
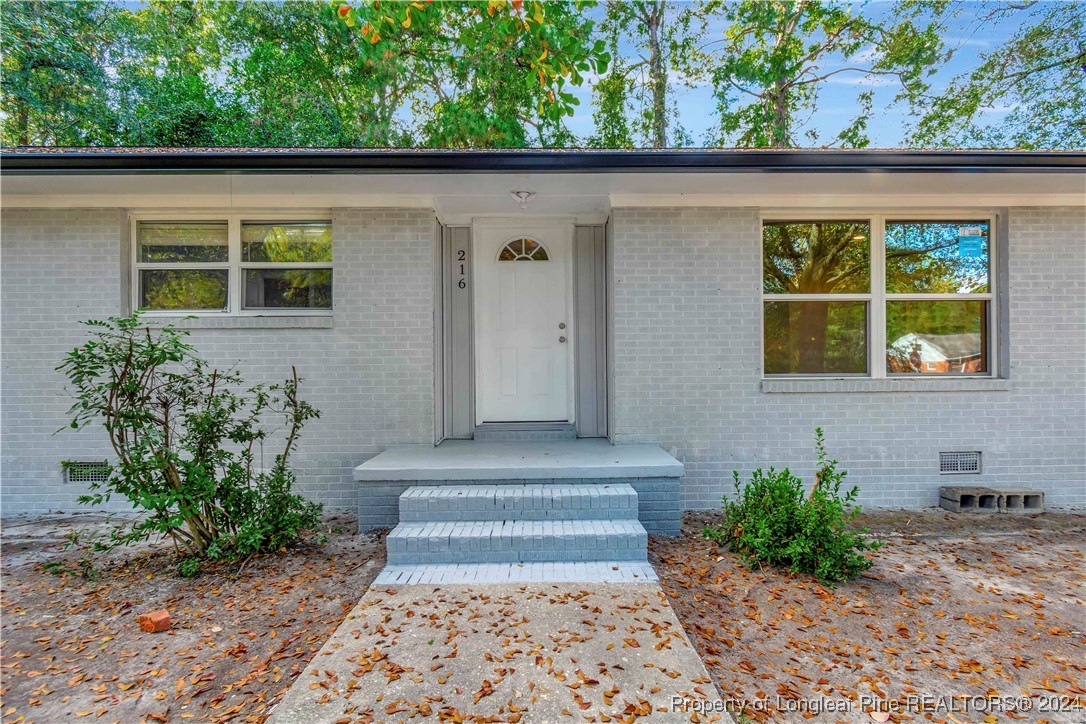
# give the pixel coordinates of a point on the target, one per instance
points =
(936, 257)
(924, 337)
(286, 242)
(292, 288)
(815, 338)
(827, 257)
(196, 242)
(523, 250)
(183, 288)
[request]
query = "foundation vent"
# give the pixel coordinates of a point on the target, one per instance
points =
(959, 463)
(84, 473)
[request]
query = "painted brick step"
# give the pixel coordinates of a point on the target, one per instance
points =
(434, 503)
(517, 541)
(478, 573)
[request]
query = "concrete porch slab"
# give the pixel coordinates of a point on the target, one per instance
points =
(519, 460)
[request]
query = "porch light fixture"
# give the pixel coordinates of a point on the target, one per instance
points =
(522, 197)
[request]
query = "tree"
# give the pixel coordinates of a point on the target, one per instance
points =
(487, 74)
(661, 31)
(775, 55)
(1038, 77)
(303, 82)
(54, 83)
(167, 61)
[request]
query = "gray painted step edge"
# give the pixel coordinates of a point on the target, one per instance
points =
(517, 541)
(549, 572)
(610, 501)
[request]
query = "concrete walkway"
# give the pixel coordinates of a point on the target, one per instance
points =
(503, 653)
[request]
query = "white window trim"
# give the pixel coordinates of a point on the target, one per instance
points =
(234, 264)
(878, 298)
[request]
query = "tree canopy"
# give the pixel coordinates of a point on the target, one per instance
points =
(522, 73)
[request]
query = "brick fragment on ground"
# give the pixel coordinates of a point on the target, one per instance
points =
(155, 621)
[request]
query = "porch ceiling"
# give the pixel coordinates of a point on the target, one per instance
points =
(537, 460)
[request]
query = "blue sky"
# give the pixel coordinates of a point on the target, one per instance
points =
(838, 96)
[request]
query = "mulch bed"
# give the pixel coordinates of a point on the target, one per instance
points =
(954, 606)
(73, 648)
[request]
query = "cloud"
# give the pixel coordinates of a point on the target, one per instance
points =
(876, 81)
(867, 55)
(966, 42)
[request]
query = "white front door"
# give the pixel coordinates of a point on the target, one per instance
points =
(523, 314)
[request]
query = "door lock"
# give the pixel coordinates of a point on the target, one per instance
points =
(562, 339)
(561, 325)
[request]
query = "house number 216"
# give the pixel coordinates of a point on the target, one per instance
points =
(461, 256)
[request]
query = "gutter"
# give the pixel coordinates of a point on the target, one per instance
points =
(355, 161)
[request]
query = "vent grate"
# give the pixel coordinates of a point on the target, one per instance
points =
(959, 463)
(86, 472)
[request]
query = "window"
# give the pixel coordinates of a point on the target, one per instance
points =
(183, 265)
(523, 250)
(877, 296)
(287, 265)
(817, 285)
(233, 266)
(937, 297)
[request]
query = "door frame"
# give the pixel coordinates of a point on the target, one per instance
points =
(528, 227)
(591, 384)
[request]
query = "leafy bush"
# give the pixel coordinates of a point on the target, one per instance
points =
(772, 521)
(186, 438)
(188, 567)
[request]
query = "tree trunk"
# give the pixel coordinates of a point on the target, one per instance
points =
(780, 137)
(778, 98)
(22, 124)
(809, 335)
(657, 74)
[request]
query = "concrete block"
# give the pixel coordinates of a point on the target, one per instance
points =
(981, 499)
(1022, 501)
(968, 499)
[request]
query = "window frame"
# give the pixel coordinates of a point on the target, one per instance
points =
(878, 298)
(234, 265)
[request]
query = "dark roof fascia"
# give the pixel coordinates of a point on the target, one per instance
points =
(237, 161)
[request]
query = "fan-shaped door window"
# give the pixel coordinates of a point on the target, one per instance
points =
(523, 250)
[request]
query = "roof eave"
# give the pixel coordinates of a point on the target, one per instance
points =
(534, 161)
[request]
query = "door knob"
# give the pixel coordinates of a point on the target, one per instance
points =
(562, 339)
(561, 325)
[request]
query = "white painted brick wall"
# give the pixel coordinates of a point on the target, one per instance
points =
(687, 369)
(370, 374)
(687, 362)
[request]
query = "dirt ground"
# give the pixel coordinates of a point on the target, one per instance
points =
(954, 606)
(73, 649)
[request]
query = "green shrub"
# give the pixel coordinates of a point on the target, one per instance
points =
(772, 521)
(188, 567)
(187, 439)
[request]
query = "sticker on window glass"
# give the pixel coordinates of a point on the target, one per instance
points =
(971, 241)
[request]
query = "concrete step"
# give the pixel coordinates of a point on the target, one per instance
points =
(558, 501)
(550, 572)
(517, 541)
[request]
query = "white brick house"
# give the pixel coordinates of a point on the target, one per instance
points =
(651, 308)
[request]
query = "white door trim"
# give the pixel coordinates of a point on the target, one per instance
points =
(563, 227)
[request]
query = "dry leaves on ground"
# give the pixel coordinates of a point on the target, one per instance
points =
(73, 648)
(949, 609)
